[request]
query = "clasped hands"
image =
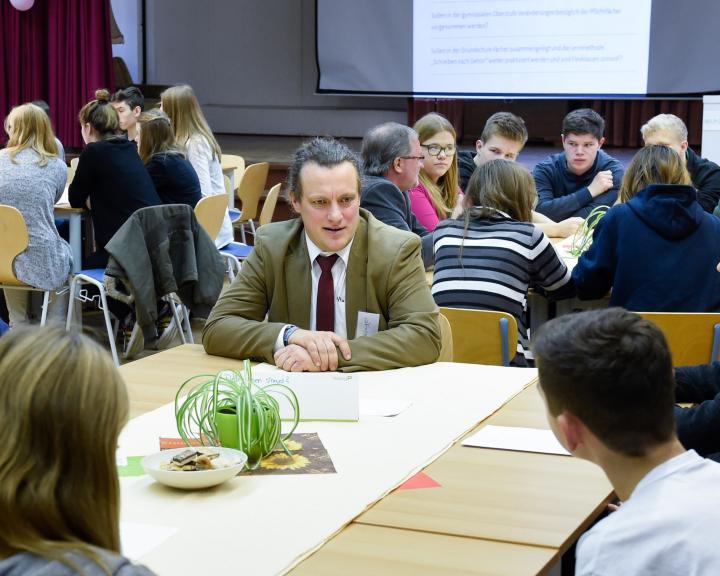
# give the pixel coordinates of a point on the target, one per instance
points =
(311, 351)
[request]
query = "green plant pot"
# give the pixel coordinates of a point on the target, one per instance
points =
(226, 422)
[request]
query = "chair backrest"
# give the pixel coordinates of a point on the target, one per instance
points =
(268, 209)
(693, 337)
(250, 188)
(446, 349)
(482, 336)
(70, 175)
(210, 213)
(14, 234)
(237, 163)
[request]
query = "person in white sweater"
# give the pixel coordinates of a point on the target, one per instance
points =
(202, 150)
(606, 377)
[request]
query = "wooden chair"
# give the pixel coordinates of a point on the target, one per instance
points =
(482, 336)
(71, 171)
(237, 163)
(693, 337)
(249, 190)
(446, 349)
(210, 213)
(15, 239)
(268, 209)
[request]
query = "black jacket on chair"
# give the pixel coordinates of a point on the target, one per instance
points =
(163, 249)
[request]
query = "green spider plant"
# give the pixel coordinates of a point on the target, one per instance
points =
(229, 409)
(583, 236)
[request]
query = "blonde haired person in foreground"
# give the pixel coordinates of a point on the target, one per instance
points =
(62, 405)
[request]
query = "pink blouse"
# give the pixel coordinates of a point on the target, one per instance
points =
(423, 208)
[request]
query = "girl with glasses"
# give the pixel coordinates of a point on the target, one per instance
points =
(437, 194)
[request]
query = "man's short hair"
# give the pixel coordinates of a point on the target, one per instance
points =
(507, 125)
(665, 123)
(131, 95)
(584, 121)
(612, 369)
(326, 152)
(382, 144)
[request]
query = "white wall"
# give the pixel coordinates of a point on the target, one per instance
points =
(128, 18)
(252, 65)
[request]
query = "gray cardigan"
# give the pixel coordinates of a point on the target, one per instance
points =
(27, 564)
(33, 190)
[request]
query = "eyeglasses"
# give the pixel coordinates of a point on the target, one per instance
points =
(436, 149)
(418, 158)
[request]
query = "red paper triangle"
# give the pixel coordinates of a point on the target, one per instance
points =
(420, 480)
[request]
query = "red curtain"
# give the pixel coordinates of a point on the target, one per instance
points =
(58, 51)
(623, 118)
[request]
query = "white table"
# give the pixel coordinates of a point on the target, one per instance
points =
(268, 523)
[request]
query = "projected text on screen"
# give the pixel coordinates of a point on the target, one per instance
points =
(530, 47)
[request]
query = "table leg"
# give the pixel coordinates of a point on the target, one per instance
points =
(76, 241)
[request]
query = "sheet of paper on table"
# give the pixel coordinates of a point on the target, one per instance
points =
(516, 438)
(138, 539)
(383, 406)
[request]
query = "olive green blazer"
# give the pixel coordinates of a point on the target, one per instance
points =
(385, 276)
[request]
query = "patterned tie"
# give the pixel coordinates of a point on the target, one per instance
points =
(325, 309)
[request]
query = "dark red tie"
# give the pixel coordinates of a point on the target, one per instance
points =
(325, 309)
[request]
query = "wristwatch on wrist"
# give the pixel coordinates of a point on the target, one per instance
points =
(290, 329)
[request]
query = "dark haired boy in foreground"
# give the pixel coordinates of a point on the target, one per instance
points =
(607, 380)
(573, 182)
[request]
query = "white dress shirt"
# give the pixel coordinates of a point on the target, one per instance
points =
(339, 273)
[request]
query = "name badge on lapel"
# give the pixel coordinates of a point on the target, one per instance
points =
(367, 324)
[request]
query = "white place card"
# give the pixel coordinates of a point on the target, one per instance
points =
(322, 395)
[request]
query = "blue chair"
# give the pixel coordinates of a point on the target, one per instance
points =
(210, 212)
(235, 252)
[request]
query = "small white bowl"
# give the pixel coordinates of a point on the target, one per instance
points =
(195, 479)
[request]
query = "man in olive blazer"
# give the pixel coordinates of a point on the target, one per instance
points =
(384, 281)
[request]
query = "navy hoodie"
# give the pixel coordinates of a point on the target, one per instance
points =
(658, 252)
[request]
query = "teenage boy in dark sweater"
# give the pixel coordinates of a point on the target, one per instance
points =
(582, 177)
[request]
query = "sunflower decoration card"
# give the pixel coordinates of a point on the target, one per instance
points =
(307, 456)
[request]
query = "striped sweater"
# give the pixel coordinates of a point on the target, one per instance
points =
(501, 259)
